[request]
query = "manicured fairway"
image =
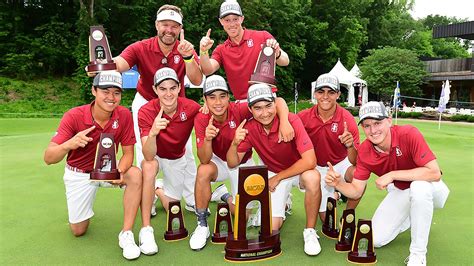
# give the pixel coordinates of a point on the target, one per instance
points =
(34, 227)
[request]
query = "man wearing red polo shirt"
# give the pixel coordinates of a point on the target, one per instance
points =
(77, 137)
(165, 127)
(334, 134)
(163, 50)
(214, 134)
(288, 163)
(238, 55)
(407, 169)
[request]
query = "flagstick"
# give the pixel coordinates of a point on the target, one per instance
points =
(439, 122)
(396, 115)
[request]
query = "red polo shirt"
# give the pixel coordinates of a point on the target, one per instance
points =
(170, 142)
(239, 60)
(325, 136)
(236, 113)
(408, 150)
(80, 118)
(277, 156)
(148, 57)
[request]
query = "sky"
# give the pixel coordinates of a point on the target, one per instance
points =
(450, 8)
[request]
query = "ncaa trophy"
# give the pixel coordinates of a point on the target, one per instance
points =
(363, 246)
(100, 58)
(105, 166)
(253, 185)
(329, 227)
(175, 229)
(222, 224)
(346, 233)
(265, 68)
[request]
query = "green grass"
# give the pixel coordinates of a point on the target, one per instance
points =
(34, 228)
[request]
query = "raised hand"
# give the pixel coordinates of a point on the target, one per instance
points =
(332, 177)
(159, 124)
(275, 45)
(206, 42)
(240, 133)
(80, 140)
(346, 138)
(185, 48)
(211, 130)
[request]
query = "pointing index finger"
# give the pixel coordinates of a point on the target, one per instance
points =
(211, 120)
(160, 114)
(208, 34)
(331, 168)
(181, 36)
(88, 130)
(242, 124)
(345, 126)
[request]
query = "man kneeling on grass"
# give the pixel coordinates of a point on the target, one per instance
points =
(407, 169)
(77, 136)
(289, 163)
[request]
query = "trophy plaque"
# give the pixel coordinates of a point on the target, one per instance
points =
(253, 185)
(222, 224)
(175, 229)
(329, 227)
(100, 58)
(105, 166)
(346, 233)
(363, 246)
(265, 68)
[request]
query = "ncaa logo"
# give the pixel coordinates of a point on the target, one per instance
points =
(106, 143)
(334, 127)
(249, 43)
(115, 125)
(183, 116)
(398, 151)
(176, 59)
(232, 124)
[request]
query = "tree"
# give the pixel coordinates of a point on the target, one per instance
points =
(384, 67)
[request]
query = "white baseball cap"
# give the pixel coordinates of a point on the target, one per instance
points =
(259, 92)
(168, 14)
(163, 74)
(329, 81)
(373, 110)
(230, 7)
(214, 83)
(107, 79)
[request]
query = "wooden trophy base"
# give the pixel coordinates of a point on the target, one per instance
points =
(176, 235)
(330, 233)
(218, 239)
(94, 67)
(343, 247)
(253, 250)
(354, 257)
(97, 175)
(258, 78)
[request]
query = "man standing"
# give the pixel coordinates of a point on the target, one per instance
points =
(238, 55)
(288, 163)
(77, 137)
(214, 134)
(407, 169)
(334, 134)
(165, 127)
(163, 50)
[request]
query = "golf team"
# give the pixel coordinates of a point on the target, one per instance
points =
(317, 150)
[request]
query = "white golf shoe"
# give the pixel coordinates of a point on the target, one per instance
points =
(127, 242)
(218, 193)
(147, 241)
(199, 238)
(416, 260)
(311, 242)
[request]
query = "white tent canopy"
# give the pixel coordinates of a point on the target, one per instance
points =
(349, 80)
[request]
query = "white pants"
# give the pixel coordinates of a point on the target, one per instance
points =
(137, 103)
(280, 195)
(412, 207)
(179, 177)
(327, 191)
(224, 172)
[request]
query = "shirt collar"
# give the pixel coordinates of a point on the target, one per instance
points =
(245, 37)
(335, 118)
(155, 46)
(89, 119)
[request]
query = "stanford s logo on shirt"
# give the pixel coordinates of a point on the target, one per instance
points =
(398, 151)
(334, 127)
(176, 59)
(249, 43)
(115, 125)
(232, 124)
(183, 116)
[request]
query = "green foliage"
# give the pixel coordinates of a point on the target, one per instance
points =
(383, 67)
(468, 118)
(410, 114)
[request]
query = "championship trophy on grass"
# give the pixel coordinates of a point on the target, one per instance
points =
(329, 227)
(105, 166)
(363, 246)
(100, 58)
(222, 224)
(175, 229)
(253, 186)
(346, 233)
(265, 68)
